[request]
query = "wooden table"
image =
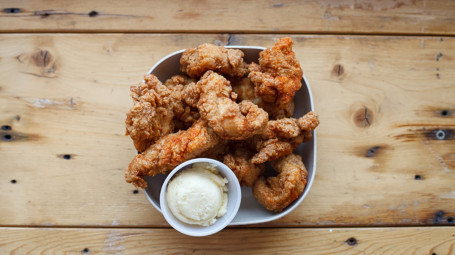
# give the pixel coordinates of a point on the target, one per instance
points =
(383, 79)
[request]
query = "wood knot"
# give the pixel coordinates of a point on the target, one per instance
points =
(438, 216)
(445, 113)
(40, 63)
(226, 39)
(7, 137)
(11, 10)
(93, 14)
(371, 152)
(363, 117)
(440, 55)
(42, 58)
(351, 241)
(338, 71)
(65, 156)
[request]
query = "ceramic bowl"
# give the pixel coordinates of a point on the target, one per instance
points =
(250, 212)
(233, 203)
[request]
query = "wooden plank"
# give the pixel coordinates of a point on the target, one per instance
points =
(430, 240)
(67, 94)
(271, 16)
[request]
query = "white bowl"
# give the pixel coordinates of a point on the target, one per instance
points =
(250, 212)
(233, 204)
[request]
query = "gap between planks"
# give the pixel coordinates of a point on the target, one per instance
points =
(252, 32)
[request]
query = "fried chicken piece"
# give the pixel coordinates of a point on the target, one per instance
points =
(245, 90)
(278, 75)
(196, 61)
(218, 151)
(282, 136)
(177, 80)
(227, 118)
(276, 193)
(151, 116)
(170, 151)
(185, 114)
(239, 161)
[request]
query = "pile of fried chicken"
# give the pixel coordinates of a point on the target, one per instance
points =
(225, 109)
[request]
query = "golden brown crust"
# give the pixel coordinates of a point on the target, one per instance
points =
(278, 75)
(196, 61)
(276, 193)
(170, 151)
(151, 116)
(282, 136)
(227, 118)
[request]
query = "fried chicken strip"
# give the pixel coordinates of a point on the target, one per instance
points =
(276, 193)
(151, 116)
(227, 118)
(245, 90)
(185, 114)
(238, 159)
(169, 151)
(196, 61)
(282, 136)
(278, 75)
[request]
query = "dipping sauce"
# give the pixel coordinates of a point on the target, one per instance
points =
(198, 195)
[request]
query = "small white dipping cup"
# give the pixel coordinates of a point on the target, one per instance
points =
(233, 204)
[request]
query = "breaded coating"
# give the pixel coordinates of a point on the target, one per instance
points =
(276, 193)
(227, 118)
(196, 61)
(245, 90)
(238, 159)
(278, 75)
(170, 151)
(185, 114)
(282, 136)
(151, 116)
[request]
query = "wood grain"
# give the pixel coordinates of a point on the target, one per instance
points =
(382, 101)
(430, 240)
(347, 16)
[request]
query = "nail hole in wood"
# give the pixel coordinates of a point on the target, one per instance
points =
(93, 14)
(438, 217)
(434, 253)
(351, 241)
(11, 10)
(418, 177)
(13, 181)
(444, 113)
(135, 191)
(7, 137)
(85, 250)
(67, 156)
(370, 153)
(6, 127)
(440, 134)
(440, 55)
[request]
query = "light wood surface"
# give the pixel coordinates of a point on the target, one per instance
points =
(429, 240)
(70, 92)
(315, 16)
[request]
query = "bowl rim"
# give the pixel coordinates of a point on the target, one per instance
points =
(227, 173)
(310, 181)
